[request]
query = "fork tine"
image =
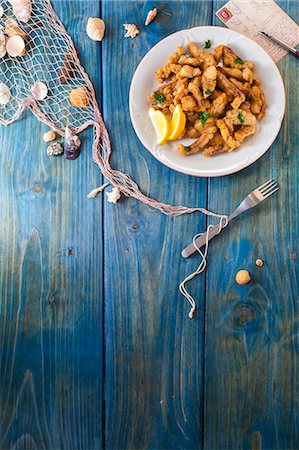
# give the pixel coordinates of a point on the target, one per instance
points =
(263, 185)
(271, 192)
(269, 186)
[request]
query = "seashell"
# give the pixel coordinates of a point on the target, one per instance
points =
(95, 28)
(71, 145)
(55, 149)
(49, 136)
(4, 94)
(10, 22)
(132, 30)
(114, 195)
(1, 11)
(39, 90)
(67, 70)
(14, 30)
(2, 45)
(96, 191)
(150, 16)
(22, 9)
(15, 46)
(79, 97)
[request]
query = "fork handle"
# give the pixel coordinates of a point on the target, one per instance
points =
(201, 240)
(213, 231)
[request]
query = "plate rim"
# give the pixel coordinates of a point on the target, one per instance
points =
(228, 171)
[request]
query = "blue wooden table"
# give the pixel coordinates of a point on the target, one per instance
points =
(96, 348)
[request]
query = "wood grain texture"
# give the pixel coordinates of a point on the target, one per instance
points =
(153, 351)
(251, 364)
(51, 282)
(226, 380)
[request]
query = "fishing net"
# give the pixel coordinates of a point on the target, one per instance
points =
(50, 58)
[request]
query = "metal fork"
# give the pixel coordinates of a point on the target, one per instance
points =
(254, 198)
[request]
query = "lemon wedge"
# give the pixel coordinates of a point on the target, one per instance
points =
(177, 124)
(160, 123)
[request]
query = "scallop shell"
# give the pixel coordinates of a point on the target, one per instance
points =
(2, 45)
(71, 145)
(10, 22)
(39, 90)
(22, 9)
(15, 46)
(4, 94)
(14, 30)
(79, 97)
(95, 28)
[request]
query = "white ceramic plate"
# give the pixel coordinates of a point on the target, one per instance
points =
(143, 83)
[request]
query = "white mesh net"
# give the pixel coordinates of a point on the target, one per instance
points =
(51, 58)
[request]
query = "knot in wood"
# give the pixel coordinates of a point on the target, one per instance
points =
(243, 314)
(38, 188)
(51, 299)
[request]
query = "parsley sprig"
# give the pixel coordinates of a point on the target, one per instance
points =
(240, 117)
(239, 61)
(160, 98)
(208, 43)
(203, 116)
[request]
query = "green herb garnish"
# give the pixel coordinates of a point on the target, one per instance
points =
(208, 92)
(208, 43)
(187, 149)
(160, 98)
(240, 117)
(203, 116)
(239, 61)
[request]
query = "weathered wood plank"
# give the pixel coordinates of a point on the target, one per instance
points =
(251, 373)
(51, 281)
(153, 351)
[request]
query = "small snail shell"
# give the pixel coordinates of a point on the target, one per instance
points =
(95, 28)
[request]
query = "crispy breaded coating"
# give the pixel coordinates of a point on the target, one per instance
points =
(218, 106)
(164, 72)
(247, 75)
(189, 103)
(195, 62)
(188, 72)
(233, 72)
(218, 53)
(230, 59)
(194, 89)
(200, 142)
(209, 80)
(231, 90)
(241, 117)
(208, 58)
(219, 94)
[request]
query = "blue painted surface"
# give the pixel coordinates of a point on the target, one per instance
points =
(96, 349)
